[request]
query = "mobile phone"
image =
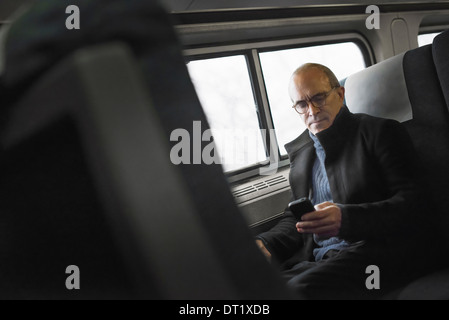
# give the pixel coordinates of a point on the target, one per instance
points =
(300, 207)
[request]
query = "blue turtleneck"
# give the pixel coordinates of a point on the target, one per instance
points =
(321, 193)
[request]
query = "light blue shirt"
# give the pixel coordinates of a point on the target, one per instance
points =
(321, 193)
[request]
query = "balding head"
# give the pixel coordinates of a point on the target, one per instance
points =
(330, 76)
(314, 82)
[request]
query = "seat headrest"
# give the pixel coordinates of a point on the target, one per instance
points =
(380, 91)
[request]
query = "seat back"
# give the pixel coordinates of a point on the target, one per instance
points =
(440, 48)
(406, 88)
(53, 215)
(177, 228)
(430, 133)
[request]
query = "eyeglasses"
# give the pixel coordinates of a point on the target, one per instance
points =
(318, 101)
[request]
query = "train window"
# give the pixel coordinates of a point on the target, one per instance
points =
(277, 66)
(224, 88)
(426, 38)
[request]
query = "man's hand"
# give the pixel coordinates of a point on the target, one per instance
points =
(264, 250)
(325, 222)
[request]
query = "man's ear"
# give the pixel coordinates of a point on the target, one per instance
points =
(341, 93)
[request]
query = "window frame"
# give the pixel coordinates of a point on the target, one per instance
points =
(430, 29)
(251, 51)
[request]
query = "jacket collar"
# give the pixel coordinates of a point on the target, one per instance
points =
(332, 139)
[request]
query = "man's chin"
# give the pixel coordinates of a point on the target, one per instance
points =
(317, 127)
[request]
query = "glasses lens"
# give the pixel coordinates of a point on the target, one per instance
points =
(319, 100)
(301, 106)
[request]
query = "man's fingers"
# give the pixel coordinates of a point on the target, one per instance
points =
(323, 205)
(324, 231)
(322, 221)
(320, 213)
(314, 224)
(311, 216)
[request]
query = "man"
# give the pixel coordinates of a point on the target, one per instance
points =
(360, 173)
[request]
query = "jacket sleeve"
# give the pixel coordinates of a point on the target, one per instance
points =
(395, 215)
(283, 240)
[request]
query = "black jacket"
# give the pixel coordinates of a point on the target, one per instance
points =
(373, 176)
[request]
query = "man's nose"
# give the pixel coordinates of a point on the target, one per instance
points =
(313, 110)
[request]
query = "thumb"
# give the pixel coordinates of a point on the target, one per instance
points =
(323, 205)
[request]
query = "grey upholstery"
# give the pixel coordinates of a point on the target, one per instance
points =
(380, 90)
(52, 213)
(430, 133)
(177, 226)
(407, 88)
(103, 195)
(148, 31)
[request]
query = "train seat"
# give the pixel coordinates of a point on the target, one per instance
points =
(440, 48)
(407, 88)
(90, 137)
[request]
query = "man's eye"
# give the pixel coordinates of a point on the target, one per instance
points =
(318, 98)
(301, 104)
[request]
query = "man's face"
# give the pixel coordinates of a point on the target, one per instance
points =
(309, 85)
